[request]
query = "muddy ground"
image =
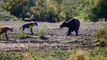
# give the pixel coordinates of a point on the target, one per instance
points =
(54, 36)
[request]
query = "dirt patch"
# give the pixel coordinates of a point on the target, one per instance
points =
(54, 37)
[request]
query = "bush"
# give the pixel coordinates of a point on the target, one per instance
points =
(42, 31)
(101, 35)
(6, 16)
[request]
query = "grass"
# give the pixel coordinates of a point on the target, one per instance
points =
(20, 34)
(57, 54)
(14, 36)
(97, 53)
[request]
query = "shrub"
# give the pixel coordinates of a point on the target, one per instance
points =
(42, 31)
(101, 35)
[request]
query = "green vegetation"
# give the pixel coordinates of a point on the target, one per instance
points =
(58, 54)
(101, 34)
(42, 31)
(20, 34)
(17, 8)
(10, 55)
(6, 16)
(57, 10)
(100, 37)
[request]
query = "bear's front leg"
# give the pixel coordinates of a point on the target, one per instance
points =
(69, 32)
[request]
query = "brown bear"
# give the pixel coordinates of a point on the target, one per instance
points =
(73, 25)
